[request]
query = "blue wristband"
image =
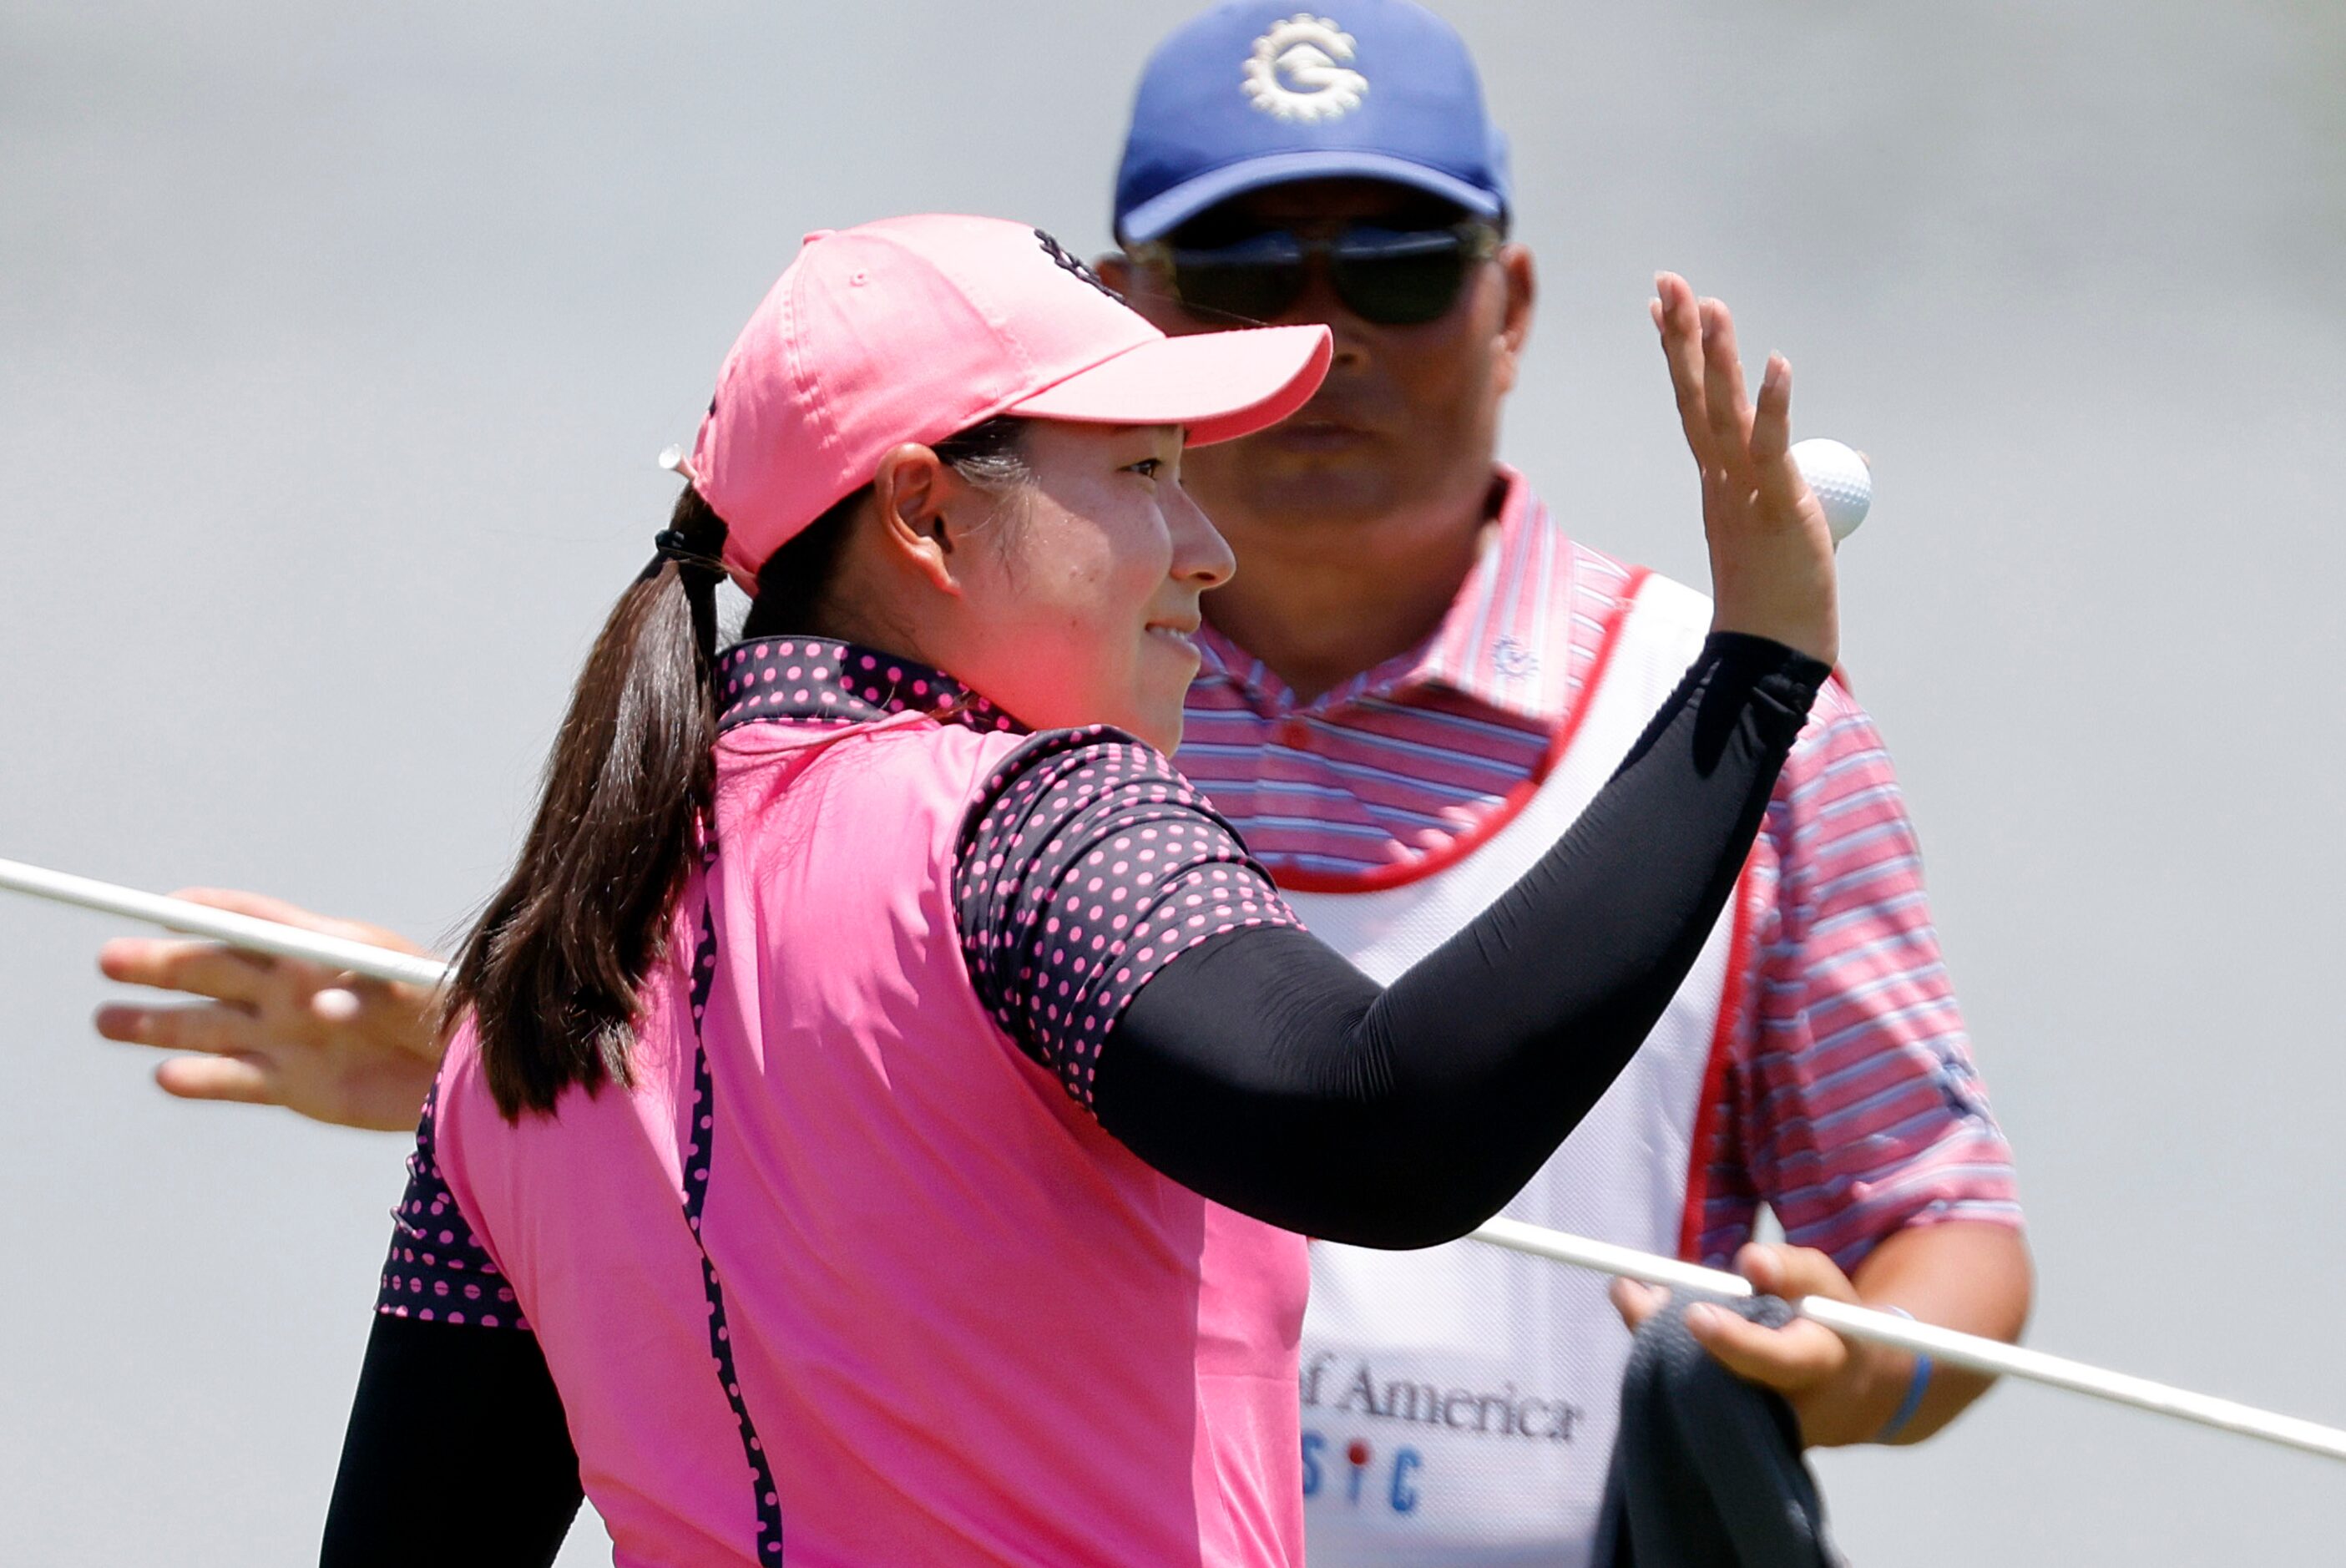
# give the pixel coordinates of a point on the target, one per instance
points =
(1915, 1388)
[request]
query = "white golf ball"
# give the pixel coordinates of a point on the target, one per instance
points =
(1843, 482)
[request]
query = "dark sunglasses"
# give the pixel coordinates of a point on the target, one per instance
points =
(1393, 277)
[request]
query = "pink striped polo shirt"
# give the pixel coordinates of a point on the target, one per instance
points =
(1849, 1103)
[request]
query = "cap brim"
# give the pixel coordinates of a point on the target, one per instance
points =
(1167, 211)
(1220, 385)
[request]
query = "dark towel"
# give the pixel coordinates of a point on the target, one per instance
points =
(1707, 1470)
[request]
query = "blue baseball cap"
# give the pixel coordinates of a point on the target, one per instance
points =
(1251, 95)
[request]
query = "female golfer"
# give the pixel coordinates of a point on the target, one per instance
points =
(889, 1093)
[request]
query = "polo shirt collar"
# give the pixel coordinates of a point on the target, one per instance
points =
(1499, 635)
(823, 680)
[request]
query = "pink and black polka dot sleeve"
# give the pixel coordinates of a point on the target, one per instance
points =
(438, 1271)
(1087, 864)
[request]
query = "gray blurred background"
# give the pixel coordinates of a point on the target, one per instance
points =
(336, 344)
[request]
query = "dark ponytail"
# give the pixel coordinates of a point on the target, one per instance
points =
(550, 973)
(551, 970)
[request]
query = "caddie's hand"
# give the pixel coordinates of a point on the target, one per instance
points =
(1771, 558)
(1635, 1301)
(1842, 1392)
(322, 1043)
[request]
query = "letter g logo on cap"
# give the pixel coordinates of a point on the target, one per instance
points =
(1297, 71)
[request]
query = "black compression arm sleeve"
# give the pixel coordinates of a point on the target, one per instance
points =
(1263, 1071)
(457, 1453)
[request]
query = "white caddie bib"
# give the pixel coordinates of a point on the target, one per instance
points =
(1459, 1402)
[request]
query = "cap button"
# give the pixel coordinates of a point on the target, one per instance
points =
(814, 234)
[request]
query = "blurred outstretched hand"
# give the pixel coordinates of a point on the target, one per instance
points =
(322, 1043)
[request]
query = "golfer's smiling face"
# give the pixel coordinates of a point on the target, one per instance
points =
(1084, 594)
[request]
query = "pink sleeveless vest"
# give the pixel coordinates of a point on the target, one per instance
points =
(940, 1318)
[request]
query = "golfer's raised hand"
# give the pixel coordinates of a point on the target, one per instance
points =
(331, 1045)
(1772, 560)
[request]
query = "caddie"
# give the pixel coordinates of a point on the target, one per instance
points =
(1420, 674)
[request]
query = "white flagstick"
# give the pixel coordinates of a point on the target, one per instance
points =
(1970, 1351)
(1955, 1348)
(222, 925)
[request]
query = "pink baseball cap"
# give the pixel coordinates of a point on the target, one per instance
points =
(912, 329)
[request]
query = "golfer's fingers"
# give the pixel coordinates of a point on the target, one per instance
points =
(214, 1029)
(1788, 1360)
(1725, 406)
(175, 963)
(1679, 322)
(248, 1079)
(1772, 416)
(1635, 1301)
(1777, 476)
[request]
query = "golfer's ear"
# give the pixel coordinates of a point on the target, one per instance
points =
(913, 493)
(1115, 269)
